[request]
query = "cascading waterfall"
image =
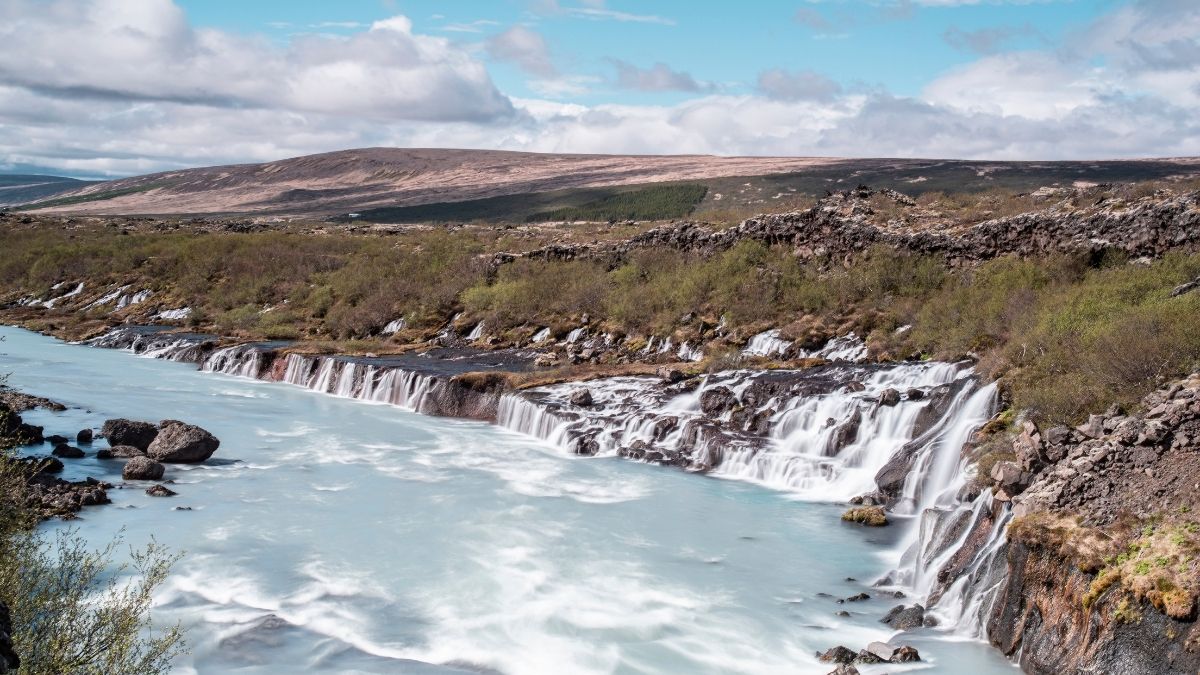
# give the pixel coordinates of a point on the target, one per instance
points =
(829, 435)
(824, 445)
(821, 434)
(767, 343)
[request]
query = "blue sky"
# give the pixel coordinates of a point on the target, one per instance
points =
(896, 46)
(118, 87)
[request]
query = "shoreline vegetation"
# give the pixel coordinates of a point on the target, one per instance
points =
(66, 604)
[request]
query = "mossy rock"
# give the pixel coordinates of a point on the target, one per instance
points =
(873, 516)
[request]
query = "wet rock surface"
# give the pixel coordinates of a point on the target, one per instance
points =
(129, 432)
(181, 443)
(142, 468)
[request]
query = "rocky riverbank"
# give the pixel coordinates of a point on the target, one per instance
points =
(144, 448)
(1098, 570)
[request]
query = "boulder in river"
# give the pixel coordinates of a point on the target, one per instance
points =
(119, 451)
(181, 443)
(838, 654)
(866, 515)
(160, 490)
(889, 397)
(905, 618)
(67, 451)
(84, 436)
(55, 439)
(142, 468)
(893, 654)
(129, 432)
(581, 397)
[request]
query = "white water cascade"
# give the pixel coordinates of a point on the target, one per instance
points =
(822, 444)
(767, 343)
(821, 434)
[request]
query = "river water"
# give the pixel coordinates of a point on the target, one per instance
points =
(332, 535)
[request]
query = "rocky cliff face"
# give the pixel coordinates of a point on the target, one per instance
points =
(1102, 575)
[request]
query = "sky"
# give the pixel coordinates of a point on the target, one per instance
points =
(106, 88)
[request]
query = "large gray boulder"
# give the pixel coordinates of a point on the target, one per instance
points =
(142, 468)
(129, 432)
(180, 443)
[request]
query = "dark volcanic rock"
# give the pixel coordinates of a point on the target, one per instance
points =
(67, 451)
(838, 654)
(717, 401)
(84, 436)
(180, 443)
(581, 397)
(119, 451)
(905, 618)
(889, 397)
(142, 468)
(129, 432)
(160, 491)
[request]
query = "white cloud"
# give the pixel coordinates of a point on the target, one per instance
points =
(145, 50)
(802, 85)
(659, 77)
(524, 47)
(77, 94)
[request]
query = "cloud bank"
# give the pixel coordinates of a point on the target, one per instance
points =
(118, 87)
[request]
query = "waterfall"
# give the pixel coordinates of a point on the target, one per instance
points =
(968, 535)
(826, 441)
(690, 353)
(768, 343)
(541, 336)
(848, 347)
(49, 304)
(395, 326)
(476, 332)
(241, 360)
(576, 334)
(154, 343)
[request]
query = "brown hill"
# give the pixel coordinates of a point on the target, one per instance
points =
(337, 182)
(388, 181)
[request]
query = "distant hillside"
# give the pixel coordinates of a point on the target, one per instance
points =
(23, 188)
(418, 185)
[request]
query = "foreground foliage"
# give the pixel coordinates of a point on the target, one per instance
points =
(72, 609)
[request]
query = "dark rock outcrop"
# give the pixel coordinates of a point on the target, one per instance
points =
(180, 443)
(119, 452)
(67, 451)
(1039, 618)
(129, 432)
(839, 227)
(142, 468)
(905, 618)
(160, 491)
